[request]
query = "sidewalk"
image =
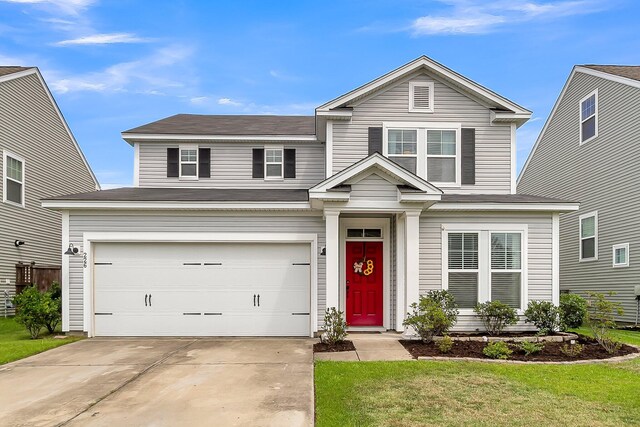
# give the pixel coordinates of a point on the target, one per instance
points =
(370, 346)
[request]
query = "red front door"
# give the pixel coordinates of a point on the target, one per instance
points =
(364, 283)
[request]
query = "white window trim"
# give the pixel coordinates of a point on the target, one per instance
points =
(412, 86)
(624, 246)
(507, 270)
(422, 127)
(180, 163)
(5, 155)
(581, 121)
(385, 148)
(484, 258)
(281, 163)
(580, 238)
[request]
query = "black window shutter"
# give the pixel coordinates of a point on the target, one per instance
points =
(173, 163)
(289, 163)
(258, 162)
(375, 140)
(204, 163)
(468, 156)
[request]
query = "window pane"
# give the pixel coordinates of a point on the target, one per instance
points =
(188, 155)
(434, 148)
(14, 191)
(409, 135)
(621, 256)
(14, 169)
(441, 169)
(506, 251)
(395, 135)
(449, 136)
(464, 288)
(463, 251)
(589, 248)
(274, 170)
(589, 227)
(188, 170)
(409, 163)
(589, 106)
(409, 148)
(506, 287)
(589, 128)
(274, 156)
(372, 232)
(434, 136)
(354, 232)
(395, 148)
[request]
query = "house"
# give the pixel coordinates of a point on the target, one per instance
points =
(253, 225)
(40, 158)
(591, 141)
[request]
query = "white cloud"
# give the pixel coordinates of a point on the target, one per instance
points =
(103, 39)
(468, 17)
(199, 100)
(69, 7)
(229, 101)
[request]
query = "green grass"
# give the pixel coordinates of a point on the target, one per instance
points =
(478, 394)
(15, 342)
(629, 337)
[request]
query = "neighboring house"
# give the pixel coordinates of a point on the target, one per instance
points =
(589, 151)
(40, 158)
(253, 225)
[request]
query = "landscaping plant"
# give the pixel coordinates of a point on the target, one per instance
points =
(573, 309)
(434, 315)
(572, 350)
(530, 348)
(335, 327)
(446, 344)
(600, 319)
(31, 307)
(544, 315)
(52, 307)
(497, 350)
(496, 316)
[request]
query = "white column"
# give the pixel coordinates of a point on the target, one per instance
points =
(401, 308)
(412, 238)
(332, 258)
(328, 146)
(65, 271)
(555, 262)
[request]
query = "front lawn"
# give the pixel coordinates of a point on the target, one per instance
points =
(478, 394)
(15, 342)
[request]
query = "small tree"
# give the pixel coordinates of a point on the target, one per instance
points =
(435, 314)
(601, 319)
(544, 315)
(30, 308)
(335, 326)
(495, 316)
(573, 309)
(52, 307)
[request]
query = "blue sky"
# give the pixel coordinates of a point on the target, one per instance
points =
(113, 65)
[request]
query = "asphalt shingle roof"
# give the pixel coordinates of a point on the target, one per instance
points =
(628, 71)
(10, 69)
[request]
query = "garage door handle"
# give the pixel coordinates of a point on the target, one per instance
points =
(258, 300)
(145, 299)
(149, 300)
(254, 300)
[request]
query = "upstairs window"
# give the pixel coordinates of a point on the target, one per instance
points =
(621, 255)
(403, 148)
(421, 97)
(589, 237)
(441, 155)
(273, 163)
(589, 117)
(13, 179)
(188, 162)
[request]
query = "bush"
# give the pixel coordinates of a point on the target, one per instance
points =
(497, 350)
(446, 344)
(601, 320)
(495, 316)
(31, 307)
(544, 315)
(434, 315)
(572, 350)
(335, 326)
(530, 348)
(52, 307)
(573, 309)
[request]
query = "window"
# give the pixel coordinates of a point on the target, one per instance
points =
(421, 97)
(506, 268)
(589, 117)
(621, 255)
(369, 233)
(188, 162)
(273, 163)
(441, 155)
(402, 146)
(13, 179)
(463, 268)
(589, 237)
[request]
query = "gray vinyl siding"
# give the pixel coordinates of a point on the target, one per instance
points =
(603, 176)
(539, 259)
(374, 188)
(80, 223)
(231, 166)
(31, 128)
(493, 142)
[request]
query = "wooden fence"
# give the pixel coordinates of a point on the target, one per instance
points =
(42, 276)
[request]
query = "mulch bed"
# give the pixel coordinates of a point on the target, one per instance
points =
(321, 347)
(503, 335)
(550, 353)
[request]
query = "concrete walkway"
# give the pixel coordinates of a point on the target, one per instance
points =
(162, 382)
(370, 347)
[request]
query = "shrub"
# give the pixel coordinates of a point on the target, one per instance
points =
(52, 307)
(446, 344)
(31, 307)
(530, 348)
(601, 320)
(573, 309)
(544, 315)
(335, 326)
(497, 350)
(495, 316)
(572, 350)
(434, 315)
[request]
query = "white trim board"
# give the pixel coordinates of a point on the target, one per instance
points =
(180, 137)
(85, 204)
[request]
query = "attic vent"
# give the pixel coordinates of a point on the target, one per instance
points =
(421, 97)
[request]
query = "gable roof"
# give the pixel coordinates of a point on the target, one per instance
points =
(15, 72)
(628, 71)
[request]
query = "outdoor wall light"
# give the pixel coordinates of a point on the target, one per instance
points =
(323, 251)
(72, 250)
(18, 243)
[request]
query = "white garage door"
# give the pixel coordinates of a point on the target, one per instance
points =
(202, 289)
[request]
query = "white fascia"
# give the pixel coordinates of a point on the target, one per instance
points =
(258, 206)
(539, 207)
(127, 136)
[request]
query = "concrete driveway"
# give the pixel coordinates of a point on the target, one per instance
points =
(162, 382)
